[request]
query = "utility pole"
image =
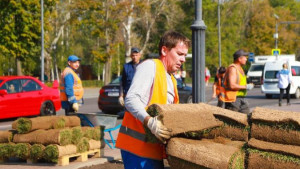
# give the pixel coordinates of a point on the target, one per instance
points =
(198, 47)
(219, 33)
(42, 36)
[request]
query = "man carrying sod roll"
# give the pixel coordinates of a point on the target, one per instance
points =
(153, 83)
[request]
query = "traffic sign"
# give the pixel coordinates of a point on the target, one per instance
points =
(276, 52)
(251, 57)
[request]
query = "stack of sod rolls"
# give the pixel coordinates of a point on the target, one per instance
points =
(275, 139)
(191, 124)
(48, 138)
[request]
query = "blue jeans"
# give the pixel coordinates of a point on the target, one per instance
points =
(132, 161)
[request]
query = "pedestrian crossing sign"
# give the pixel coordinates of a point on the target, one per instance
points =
(276, 52)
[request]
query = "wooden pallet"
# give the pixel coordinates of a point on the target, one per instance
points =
(80, 157)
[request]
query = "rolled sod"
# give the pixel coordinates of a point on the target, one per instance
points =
(264, 159)
(276, 126)
(46, 137)
(95, 133)
(182, 118)
(21, 150)
(205, 153)
(83, 145)
(6, 150)
(53, 152)
(6, 136)
(94, 144)
(36, 151)
(275, 147)
(77, 135)
(25, 125)
(235, 125)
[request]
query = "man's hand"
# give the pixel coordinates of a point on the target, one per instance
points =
(75, 107)
(214, 96)
(250, 86)
(121, 100)
(158, 129)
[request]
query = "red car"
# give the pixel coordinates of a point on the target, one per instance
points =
(27, 96)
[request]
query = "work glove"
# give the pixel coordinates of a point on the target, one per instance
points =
(75, 107)
(250, 86)
(121, 100)
(158, 129)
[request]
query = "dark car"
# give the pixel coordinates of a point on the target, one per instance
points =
(27, 96)
(108, 96)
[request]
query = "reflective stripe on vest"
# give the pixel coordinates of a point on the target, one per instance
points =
(228, 95)
(132, 136)
(77, 87)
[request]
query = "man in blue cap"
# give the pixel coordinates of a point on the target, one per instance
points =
(71, 90)
(128, 73)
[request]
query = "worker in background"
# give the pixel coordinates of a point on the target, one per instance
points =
(236, 84)
(71, 90)
(128, 73)
(153, 83)
(284, 77)
(218, 85)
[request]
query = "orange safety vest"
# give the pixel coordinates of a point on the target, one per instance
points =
(77, 87)
(132, 136)
(228, 95)
(220, 88)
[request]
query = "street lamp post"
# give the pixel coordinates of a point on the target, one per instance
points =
(198, 50)
(42, 39)
(219, 33)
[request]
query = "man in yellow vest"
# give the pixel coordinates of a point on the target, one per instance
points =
(71, 90)
(153, 83)
(236, 84)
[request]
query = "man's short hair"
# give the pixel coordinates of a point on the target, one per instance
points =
(170, 40)
(222, 70)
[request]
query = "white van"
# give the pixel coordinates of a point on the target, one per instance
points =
(270, 82)
(255, 71)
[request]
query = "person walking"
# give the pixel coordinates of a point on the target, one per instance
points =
(128, 73)
(236, 84)
(71, 90)
(153, 83)
(284, 77)
(218, 85)
(207, 76)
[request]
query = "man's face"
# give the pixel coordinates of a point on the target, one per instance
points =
(243, 60)
(75, 65)
(135, 57)
(175, 57)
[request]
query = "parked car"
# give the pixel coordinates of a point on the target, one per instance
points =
(109, 94)
(27, 96)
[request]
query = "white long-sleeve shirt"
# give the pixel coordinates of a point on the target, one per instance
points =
(140, 91)
(284, 77)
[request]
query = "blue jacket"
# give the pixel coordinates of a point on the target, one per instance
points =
(127, 76)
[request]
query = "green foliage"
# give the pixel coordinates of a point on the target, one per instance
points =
(92, 83)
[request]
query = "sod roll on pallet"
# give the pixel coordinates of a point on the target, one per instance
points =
(276, 126)
(235, 125)
(6, 136)
(182, 118)
(6, 150)
(25, 125)
(53, 152)
(264, 154)
(45, 137)
(206, 153)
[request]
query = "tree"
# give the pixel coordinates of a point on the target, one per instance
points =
(20, 33)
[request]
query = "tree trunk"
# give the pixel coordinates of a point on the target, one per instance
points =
(19, 67)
